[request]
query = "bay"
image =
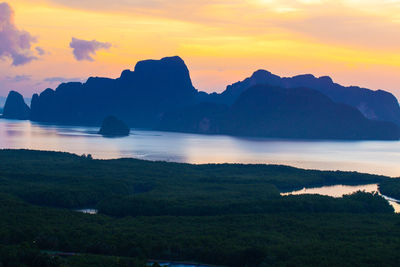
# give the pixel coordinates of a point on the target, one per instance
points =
(377, 157)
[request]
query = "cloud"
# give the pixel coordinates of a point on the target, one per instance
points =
(84, 50)
(362, 23)
(15, 44)
(19, 78)
(120, 4)
(62, 80)
(40, 50)
(349, 23)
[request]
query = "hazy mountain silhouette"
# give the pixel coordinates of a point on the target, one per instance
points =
(2, 101)
(301, 113)
(15, 107)
(379, 105)
(268, 111)
(159, 94)
(203, 118)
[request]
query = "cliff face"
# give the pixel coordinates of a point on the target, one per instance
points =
(15, 107)
(138, 97)
(378, 105)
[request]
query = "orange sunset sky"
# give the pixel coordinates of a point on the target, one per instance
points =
(356, 42)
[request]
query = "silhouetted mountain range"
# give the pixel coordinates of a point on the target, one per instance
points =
(138, 97)
(379, 105)
(159, 94)
(269, 111)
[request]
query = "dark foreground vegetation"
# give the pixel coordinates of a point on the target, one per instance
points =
(391, 188)
(217, 214)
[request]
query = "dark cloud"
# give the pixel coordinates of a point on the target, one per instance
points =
(19, 78)
(61, 80)
(14, 43)
(84, 50)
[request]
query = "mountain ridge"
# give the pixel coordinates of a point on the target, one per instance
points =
(275, 112)
(374, 104)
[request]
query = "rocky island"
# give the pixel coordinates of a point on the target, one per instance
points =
(15, 107)
(113, 127)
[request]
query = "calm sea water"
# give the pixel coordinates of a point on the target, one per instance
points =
(379, 157)
(341, 190)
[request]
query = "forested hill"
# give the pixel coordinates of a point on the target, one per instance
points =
(223, 214)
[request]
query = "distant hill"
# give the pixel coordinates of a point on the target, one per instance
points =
(159, 94)
(268, 111)
(378, 105)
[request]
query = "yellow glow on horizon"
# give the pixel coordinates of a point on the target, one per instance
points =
(224, 39)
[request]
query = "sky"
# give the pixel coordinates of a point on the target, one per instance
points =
(46, 42)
